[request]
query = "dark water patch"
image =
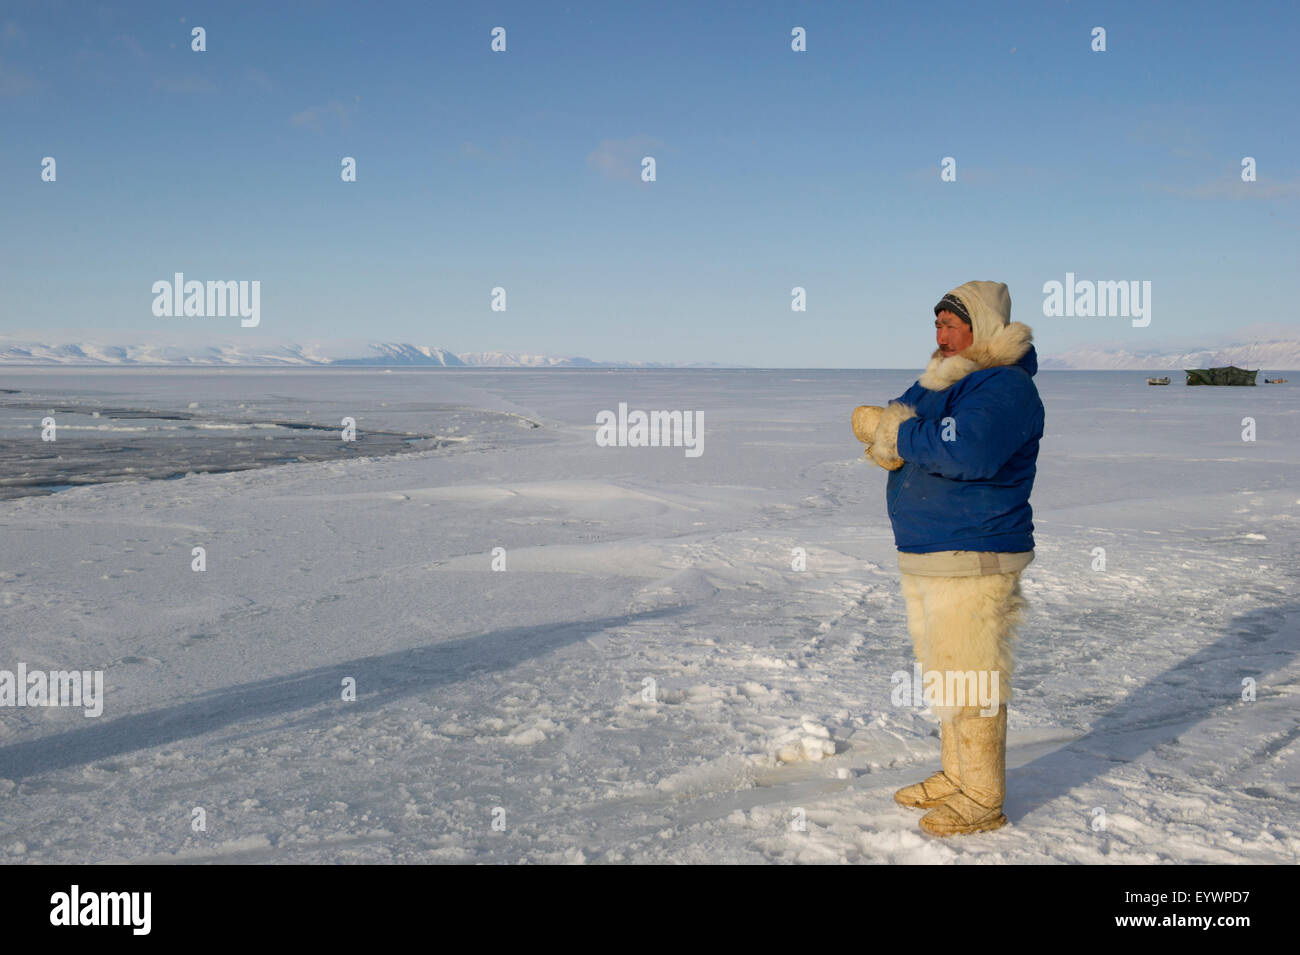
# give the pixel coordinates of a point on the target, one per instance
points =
(158, 449)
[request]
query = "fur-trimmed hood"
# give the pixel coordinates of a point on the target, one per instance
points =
(1010, 345)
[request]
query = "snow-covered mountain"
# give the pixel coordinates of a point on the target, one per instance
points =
(14, 351)
(337, 352)
(503, 359)
(400, 353)
(1270, 356)
(1276, 355)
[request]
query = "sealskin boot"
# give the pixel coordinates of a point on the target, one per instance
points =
(982, 758)
(934, 790)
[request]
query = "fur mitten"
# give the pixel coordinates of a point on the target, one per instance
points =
(884, 442)
(865, 419)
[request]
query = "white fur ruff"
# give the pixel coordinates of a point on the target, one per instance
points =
(1007, 347)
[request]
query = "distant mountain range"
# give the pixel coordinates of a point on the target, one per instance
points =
(24, 352)
(1280, 355)
(1268, 356)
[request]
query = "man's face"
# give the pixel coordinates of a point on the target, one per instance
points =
(953, 335)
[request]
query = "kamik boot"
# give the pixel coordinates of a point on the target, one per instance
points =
(982, 761)
(938, 787)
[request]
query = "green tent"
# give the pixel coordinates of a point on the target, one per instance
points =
(1231, 375)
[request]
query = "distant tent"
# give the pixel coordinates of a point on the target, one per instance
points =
(1231, 375)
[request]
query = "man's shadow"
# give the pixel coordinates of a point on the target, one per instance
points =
(380, 680)
(1205, 685)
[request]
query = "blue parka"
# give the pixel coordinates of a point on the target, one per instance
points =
(970, 492)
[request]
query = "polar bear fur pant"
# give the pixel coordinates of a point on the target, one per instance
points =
(965, 624)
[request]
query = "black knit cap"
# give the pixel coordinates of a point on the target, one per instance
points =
(951, 303)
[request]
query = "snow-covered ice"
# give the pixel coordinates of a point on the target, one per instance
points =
(648, 680)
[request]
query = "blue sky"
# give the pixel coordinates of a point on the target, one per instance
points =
(775, 169)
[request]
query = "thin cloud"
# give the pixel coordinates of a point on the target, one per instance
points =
(1234, 189)
(258, 79)
(1188, 141)
(980, 175)
(506, 146)
(130, 43)
(621, 158)
(188, 83)
(15, 82)
(1182, 139)
(315, 117)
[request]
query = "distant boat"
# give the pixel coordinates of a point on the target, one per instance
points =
(1158, 381)
(1231, 375)
(1275, 381)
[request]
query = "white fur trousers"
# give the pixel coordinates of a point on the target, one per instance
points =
(965, 625)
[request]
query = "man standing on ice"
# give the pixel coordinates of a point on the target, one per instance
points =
(961, 446)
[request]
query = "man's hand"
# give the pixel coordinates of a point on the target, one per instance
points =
(883, 448)
(865, 420)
